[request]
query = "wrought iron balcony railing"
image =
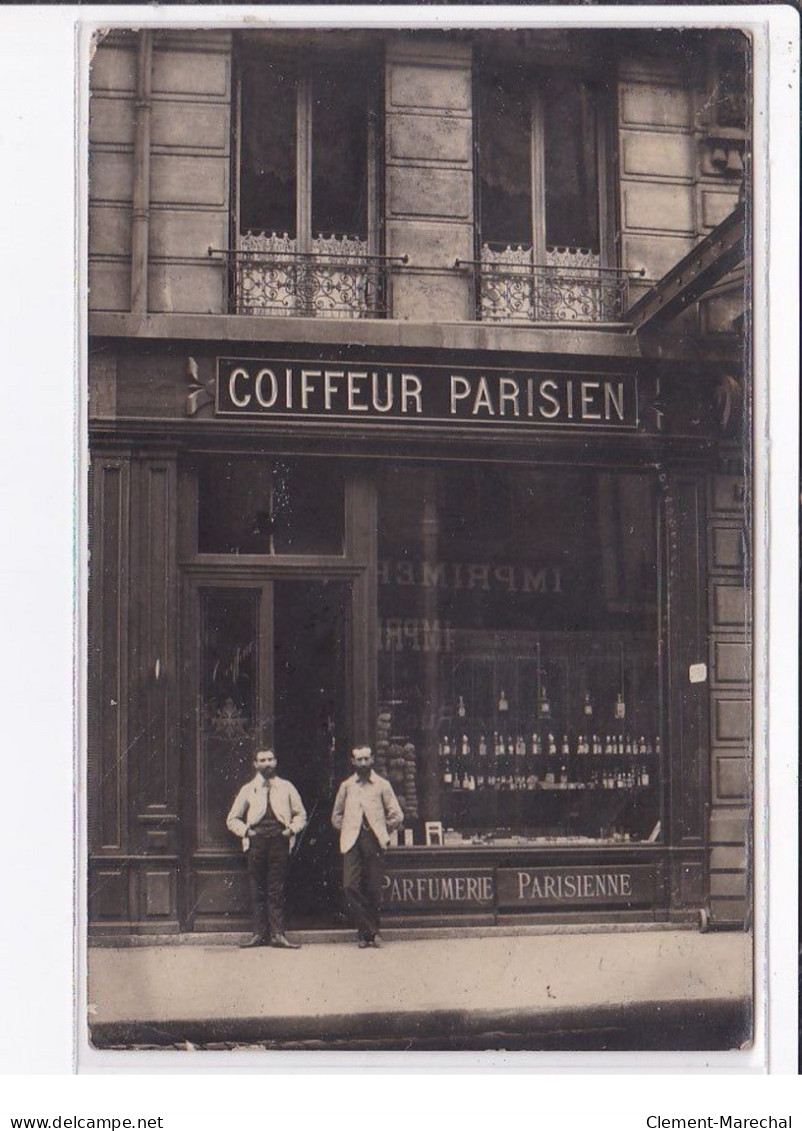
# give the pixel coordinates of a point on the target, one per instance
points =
(571, 286)
(336, 279)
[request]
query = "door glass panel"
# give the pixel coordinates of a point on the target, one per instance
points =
(228, 709)
(258, 506)
(309, 649)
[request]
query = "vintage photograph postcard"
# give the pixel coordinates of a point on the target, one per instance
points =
(420, 526)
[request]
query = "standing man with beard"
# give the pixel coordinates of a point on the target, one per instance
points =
(267, 814)
(366, 811)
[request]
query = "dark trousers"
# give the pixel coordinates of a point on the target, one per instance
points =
(267, 872)
(362, 883)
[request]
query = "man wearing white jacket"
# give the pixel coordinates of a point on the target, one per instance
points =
(366, 811)
(267, 814)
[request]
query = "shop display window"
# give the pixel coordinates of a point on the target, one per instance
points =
(269, 506)
(518, 653)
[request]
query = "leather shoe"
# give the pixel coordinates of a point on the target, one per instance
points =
(254, 940)
(363, 944)
(281, 942)
(377, 941)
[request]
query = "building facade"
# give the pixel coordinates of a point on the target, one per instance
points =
(419, 416)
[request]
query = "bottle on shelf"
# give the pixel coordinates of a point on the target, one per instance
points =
(587, 706)
(498, 760)
(448, 773)
(461, 707)
(481, 764)
(620, 706)
(520, 762)
(509, 763)
(458, 764)
(533, 763)
(551, 758)
(543, 704)
(503, 702)
(467, 781)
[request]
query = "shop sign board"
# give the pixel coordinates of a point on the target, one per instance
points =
(520, 889)
(525, 889)
(408, 889)
(378, 392)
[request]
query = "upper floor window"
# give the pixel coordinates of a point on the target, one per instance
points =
(725, 116)
(306, 222)
(544, 233)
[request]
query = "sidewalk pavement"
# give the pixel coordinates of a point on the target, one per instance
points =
(650, 989)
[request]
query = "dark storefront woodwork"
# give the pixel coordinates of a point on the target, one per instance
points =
(521, 640)
(271, 670)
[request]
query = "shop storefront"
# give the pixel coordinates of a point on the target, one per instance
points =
(418, 417)
(491, 569)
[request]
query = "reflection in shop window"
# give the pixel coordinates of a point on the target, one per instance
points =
(258, 506)
(517, 652)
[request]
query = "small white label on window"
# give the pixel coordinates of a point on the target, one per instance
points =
(697, 673)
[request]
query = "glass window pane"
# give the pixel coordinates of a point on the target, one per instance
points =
(572, 210)
(518, 651)
(267, 146)
(258, 506)
(505, 168)
(339, 149)
(228, 709)
(729, 102)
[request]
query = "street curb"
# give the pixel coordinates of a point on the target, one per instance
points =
(396, 934)
(701, 1025)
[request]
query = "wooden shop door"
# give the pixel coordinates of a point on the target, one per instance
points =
(271, 669)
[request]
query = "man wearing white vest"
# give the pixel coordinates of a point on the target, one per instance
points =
(366, 811)
(267, 813)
